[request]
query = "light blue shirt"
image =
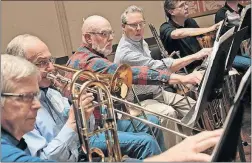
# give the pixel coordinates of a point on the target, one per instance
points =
(11, 153)
(52, 138)
(137, 53)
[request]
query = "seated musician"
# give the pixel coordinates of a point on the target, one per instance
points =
(18, 113)
(233, 10)
(97, 37)
(179, 33)
(19, 107)
(133, 50)
(55, 136)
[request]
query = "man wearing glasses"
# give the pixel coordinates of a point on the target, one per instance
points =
(54, 136)
(179, 33)
(19, 106)
(133, 50)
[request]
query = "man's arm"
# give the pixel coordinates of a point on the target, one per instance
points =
(59, 148)
(182, 62)
(189, 32)
(190, 149)
(137, 59)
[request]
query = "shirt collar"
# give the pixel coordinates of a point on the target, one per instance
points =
(137, 43)
(175, 24)
(19, 144)
(240, 7)
(83, 45)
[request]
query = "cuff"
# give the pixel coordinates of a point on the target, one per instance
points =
(66, 135)
(168, 62)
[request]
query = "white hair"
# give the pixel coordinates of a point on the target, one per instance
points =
(130, 9)
(17, 45)
(14, 69)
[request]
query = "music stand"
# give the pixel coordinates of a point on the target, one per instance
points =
(239, 37)
(225, 150)
(246, 20)
(213, 79)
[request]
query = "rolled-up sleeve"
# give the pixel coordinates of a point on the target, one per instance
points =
(134, 58)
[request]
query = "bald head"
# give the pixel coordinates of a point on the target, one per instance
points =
(97, 34)
(94, 23)
(18, 45)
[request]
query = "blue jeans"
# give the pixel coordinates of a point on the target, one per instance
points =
(126, 126)
(241, 62)
(136, 145)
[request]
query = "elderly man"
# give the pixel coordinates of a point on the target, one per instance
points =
(19, 106)
(133, 50)
(19, 101)
(97, 37)
(178, 34)
(54, 136)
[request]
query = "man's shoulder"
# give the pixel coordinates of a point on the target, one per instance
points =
(166, 25)
(190, 22)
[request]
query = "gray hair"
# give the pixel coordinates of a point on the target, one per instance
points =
(169, 5)
(14, 69)
(130, 9)
(17, 45)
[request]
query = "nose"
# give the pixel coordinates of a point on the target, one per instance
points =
(36, 104)
(138, 27)
(50, 67)
(111, 37)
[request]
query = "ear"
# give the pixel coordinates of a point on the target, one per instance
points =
(88, 39)
(170, 12)
(123, 27)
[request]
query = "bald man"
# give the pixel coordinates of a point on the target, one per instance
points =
(97, 37)
(55, 136)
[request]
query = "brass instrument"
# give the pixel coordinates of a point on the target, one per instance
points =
(115, 98)
(110, 128)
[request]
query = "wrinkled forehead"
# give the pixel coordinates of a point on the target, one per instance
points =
(102, 27)
(36, 50)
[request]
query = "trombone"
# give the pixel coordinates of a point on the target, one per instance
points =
(112, 142)
(121, 81)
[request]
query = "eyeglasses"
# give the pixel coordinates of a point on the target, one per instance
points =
(182, 5)
(135, 25)
(105, 34)
(45, 63)
(26, 97)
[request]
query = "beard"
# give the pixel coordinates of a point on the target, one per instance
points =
(103, 50)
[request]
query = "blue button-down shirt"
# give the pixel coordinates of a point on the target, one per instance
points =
(52, 138)
(11, 153)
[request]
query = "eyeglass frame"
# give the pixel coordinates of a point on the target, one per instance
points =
(136, 25)
(107, 35)
(28, 96)
(40, 65)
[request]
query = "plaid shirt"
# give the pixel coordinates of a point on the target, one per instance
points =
(88, 59)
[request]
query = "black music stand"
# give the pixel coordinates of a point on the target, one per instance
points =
(225, 150)
(246, 21)
(211, 85)
(239, 37)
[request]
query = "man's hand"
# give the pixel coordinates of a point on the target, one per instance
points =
(192, 78)
(190, 149)
(86, 103)
(203, 53)
(215, 26)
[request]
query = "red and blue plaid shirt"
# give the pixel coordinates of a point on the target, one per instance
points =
(87, 59)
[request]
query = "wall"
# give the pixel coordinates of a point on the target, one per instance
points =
(41, 18)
